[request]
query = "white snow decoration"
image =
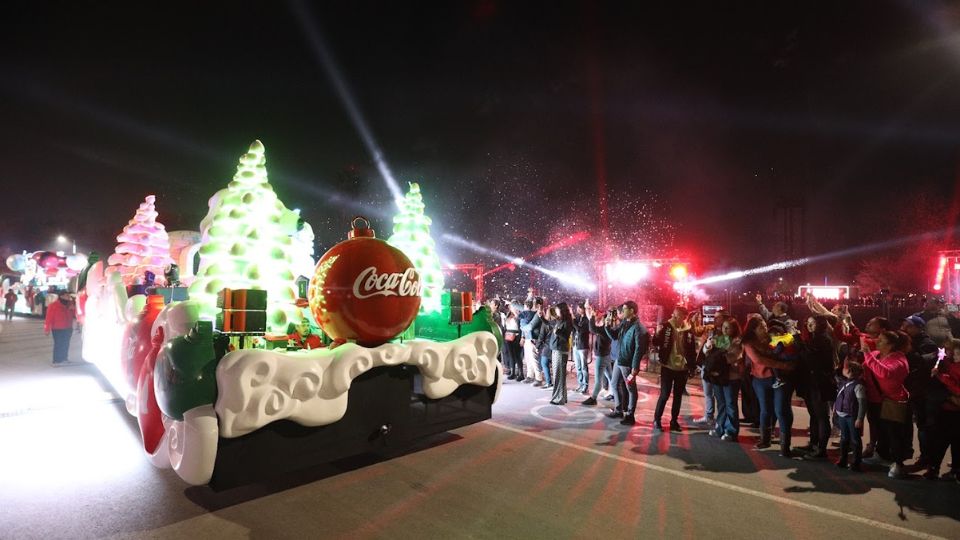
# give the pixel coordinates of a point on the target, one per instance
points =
(105, 320)
(189, 447)
(256, 387)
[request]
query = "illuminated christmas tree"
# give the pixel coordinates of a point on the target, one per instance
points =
(247, 243)
(411, 235)
(143, 245)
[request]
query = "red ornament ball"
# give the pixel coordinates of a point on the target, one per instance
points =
(364, 289)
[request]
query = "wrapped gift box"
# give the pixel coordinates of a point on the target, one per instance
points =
(242, 299)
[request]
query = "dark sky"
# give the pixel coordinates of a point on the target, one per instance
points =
(506, 112)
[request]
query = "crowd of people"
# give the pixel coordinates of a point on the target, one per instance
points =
(880, 382)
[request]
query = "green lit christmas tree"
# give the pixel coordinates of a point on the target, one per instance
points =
(247, 243)
(411, 235)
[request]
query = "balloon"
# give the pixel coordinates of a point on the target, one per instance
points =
(77, 262)
(17, 262)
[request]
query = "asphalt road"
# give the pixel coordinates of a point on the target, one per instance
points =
(71, 467)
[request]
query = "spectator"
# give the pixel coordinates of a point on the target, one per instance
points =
(885, 373)
(676, 349)
(512, 352)
(868, 342)
(921, 357)
(10, 301)
(59, 322)
(816, 385)
(633, 340)
(947, 419)
(603, 363)
(725, 375)
(778, 312)
(581, 349)
(543, 344)
(562, 327)
(851, 407)
(755, 345)
(937, 325)
(530, 330)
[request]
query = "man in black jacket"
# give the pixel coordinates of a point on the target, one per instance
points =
(633, 340)
(922, 357)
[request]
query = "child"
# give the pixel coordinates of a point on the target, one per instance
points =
(851, 407)
(784, 345)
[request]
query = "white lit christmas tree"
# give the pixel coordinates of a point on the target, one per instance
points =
(247, 243)
(411, 235)
(143, 245)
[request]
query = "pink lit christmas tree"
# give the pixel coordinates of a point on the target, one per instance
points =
(143, 245)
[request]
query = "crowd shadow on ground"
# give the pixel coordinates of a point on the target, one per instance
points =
(701, 452)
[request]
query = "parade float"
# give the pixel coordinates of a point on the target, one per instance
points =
(225, 386)
(34, 274)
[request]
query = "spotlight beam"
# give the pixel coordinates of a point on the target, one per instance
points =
(869, 248)
(328, 64)
(563, 277)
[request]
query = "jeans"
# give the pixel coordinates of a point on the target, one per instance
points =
(777, 399)
(8, 312)
(850, 439)
(623, 390)
(560, 376)
(819, 419)
(531, 361)
(728, 414)
(583, 371)
(603, 367)
(675, 381)
(545, 367)
(708, 396)
(61, 344)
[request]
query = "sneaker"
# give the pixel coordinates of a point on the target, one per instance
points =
(628, 420)
(704, 420)
(713, 433)
(528, 380)
(675, 426)
(728, 437)
(615, 414)
(777, 383)
(896, 471)
(842, 464)
(876, 460)
(555, 402)
(589, 401)
(608, 397)
(815, 456)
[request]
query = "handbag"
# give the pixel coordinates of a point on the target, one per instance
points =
(895, 411)
(509, 336)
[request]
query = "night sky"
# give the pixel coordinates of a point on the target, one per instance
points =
(699, 121)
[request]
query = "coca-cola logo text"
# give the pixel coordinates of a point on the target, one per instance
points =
(370, 284)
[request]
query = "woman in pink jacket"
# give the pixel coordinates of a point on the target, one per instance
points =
(884, 372)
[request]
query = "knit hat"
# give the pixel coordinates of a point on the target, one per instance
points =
(916, 320)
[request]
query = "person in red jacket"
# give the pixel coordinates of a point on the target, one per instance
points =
(59, 321)
(946, 430)
(885, 372)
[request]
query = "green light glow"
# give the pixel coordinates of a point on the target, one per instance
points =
(411, 235)
(247, 244)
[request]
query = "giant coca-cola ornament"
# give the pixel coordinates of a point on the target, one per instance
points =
(364, 289)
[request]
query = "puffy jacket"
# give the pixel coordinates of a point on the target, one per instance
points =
(59, 317)
(633, 342)
(664, 343)
(581, 332)
(885, 377)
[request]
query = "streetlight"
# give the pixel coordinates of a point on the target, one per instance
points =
(61, 239)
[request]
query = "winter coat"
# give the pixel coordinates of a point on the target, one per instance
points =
(633, 342)
(560, 337)
(664, 341)
(819, 357)
(885, 377)
(602, 342)
(59, 317)
(581, 332)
